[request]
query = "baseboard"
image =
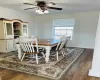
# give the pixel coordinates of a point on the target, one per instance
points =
(94, 73)
(82, 47)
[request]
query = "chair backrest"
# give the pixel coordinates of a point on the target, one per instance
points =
(67, 40)
(64, 42)
(30, 46)
(58, 45)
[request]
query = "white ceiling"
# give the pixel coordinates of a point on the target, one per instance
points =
(67, 5)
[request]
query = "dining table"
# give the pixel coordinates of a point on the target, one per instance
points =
(45, 43)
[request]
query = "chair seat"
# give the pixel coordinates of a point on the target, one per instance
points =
(42, 49)
(30, 52)
(53, 48)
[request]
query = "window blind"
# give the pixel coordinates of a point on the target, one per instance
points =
(63, 22)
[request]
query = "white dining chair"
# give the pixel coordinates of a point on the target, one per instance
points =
(60, 48)
(64, 44)
(30, 47)
(55, 49)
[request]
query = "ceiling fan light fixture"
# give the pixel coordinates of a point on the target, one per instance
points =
(39, 11)
(46, 11)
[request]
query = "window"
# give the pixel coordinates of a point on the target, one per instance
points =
(63, 27)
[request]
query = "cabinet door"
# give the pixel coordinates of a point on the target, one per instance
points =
(25, 29)
(10, 45)
(8, 30)
(14, 44)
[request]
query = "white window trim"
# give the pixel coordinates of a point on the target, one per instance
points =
(69, 25)
(61, 35)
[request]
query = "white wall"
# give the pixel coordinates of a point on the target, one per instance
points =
(12, 14)
(95, 68)
(84, 30)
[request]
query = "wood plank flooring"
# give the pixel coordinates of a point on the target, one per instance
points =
(78, 71)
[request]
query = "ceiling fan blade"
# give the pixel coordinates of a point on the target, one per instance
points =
(56, 8)
(52, 3)
(29, 8)
(28, 3)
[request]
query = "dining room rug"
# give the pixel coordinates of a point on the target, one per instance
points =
(52, 70)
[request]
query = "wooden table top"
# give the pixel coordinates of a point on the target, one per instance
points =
(47, 42)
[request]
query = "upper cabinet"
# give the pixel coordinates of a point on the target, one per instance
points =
(12, 28)
(25, 29)
(8, 30)
(17, 28)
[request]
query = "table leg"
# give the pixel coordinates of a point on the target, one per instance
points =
(48, 48)
(19, 51)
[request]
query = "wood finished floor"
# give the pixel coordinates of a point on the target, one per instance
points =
(78, 71)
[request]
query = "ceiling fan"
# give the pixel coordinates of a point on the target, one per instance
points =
(43, 6)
